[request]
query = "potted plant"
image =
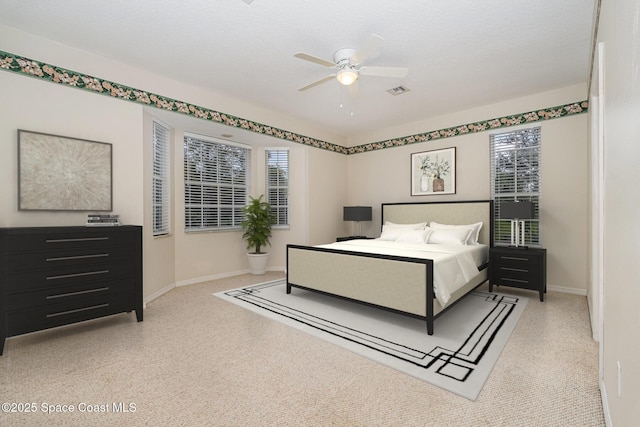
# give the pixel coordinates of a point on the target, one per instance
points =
(257, 222)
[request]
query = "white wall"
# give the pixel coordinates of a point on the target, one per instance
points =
(384, 176)
(43, 107)
(619, 30)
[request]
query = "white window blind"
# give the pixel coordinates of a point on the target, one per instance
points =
(161, 180)
(515, 175)
(216, 176)
(277, 183)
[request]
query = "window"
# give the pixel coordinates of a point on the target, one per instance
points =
(161, 180)
(515, 175)
(277, 183)
(216, 177)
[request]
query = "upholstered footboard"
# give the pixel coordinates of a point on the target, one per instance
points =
(396, 283)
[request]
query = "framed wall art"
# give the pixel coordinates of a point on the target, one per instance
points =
(433, 172)
(60, 173)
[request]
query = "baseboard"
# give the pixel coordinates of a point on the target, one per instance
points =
(158, 294)
(605, 404)
(565, 290)
(220, 276)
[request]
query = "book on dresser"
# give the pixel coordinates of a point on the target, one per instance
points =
(54, 276)
(102, 220)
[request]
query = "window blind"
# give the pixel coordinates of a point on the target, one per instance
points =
(277, 183)
(515, 175)
(216, 176)
(161, 180)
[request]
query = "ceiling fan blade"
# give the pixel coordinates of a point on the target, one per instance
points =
(384, 71)
(314, 59)
(370, 45)
(319, 82)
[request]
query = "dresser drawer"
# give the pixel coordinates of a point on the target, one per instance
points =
(86, 238)
(38, 318)
(90, 293)
(60, 259)
(68, 275)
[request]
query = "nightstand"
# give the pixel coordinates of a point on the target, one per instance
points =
(519, 268)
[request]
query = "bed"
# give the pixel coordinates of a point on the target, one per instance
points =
(398, 279)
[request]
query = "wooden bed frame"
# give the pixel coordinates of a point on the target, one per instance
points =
(400, 284)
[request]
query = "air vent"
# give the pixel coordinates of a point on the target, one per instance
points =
(399, 90)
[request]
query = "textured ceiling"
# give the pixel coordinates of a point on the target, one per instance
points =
(460, 53)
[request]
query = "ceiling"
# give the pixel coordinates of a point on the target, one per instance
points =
(460, 53)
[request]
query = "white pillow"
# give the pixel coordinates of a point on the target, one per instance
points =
(475, 230)
(449, 236)
(416, 226)
(413, 236)
(390, 233)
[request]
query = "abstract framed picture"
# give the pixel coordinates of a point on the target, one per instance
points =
(61, 173)
(433, 172)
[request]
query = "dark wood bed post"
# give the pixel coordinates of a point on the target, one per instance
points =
(429, 281)
(286, 271)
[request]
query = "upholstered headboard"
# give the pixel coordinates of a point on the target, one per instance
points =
(456, 213)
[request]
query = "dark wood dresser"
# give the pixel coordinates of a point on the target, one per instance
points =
(524, 268)
(54, 276)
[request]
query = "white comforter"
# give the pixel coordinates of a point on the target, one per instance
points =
(453, 266)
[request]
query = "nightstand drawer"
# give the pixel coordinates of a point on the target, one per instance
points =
(516, 258)
(516, 270)
(524, 282)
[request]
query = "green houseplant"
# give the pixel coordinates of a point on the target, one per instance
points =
(258, 219)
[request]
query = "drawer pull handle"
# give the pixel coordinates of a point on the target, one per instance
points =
(78, 239)
(514, 280)
(70, 294)
(62, 313)
(515, 258)
(521, 270)
(65, 276)
(64, 258)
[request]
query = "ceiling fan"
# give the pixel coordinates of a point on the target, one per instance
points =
(346, 60)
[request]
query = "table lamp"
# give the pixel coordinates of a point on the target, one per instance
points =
(517, 212)
(357, 214)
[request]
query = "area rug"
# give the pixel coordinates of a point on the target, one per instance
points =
(458, 357)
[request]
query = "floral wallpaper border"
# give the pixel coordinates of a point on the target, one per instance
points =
(31, 68)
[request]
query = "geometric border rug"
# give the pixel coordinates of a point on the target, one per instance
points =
(458, 357)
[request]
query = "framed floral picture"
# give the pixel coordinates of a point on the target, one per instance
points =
(433, 172)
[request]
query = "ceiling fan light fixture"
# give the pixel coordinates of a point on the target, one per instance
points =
(347, 76)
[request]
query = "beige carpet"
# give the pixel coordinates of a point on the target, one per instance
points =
(198, 360)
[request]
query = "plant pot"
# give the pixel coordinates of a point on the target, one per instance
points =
(258, 263)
